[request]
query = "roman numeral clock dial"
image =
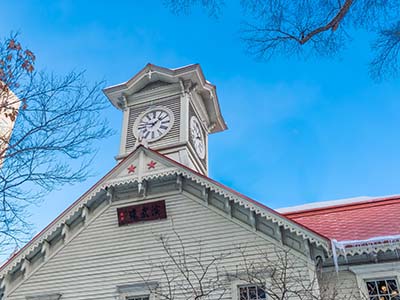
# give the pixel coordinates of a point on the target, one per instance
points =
(153, 124)
(197, 137)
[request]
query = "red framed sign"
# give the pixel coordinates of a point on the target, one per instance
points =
(141, 212)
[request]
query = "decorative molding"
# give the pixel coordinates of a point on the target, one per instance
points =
(228, 208)
(179, 183)
(374, 271)
(168, 169)
(45, 248)
(374, 268)
(44, 297)
(269, 215)
(352, 248)
(252, 219)
(287, 224)
(137, 287)
(85, 212)
(11, 288)
(205, 195)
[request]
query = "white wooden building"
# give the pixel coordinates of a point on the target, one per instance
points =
(9, 106)
(157, 227)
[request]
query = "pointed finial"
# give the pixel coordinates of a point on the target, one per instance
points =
(141, 141)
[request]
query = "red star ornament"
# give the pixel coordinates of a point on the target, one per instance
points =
(131, 169)
(151, 165)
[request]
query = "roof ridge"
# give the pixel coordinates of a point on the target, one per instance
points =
(65, 211)
(231, 190)
(369, 202)
(307, 232)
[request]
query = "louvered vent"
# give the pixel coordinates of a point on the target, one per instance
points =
(171, 137)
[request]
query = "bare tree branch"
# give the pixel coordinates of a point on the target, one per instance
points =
(49, 124)
(187, 274)
(184, 271)
(283, 276)
(387, 48)
(332, 25)
(316, 27)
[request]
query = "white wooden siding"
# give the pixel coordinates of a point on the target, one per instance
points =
(344, 284)
(104, 255)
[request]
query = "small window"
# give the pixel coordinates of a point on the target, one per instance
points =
(138, 298)
(136, 291)
(44, 297)
(383, 289)
(251, 292)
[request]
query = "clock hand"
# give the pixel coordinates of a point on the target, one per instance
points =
(151, 124)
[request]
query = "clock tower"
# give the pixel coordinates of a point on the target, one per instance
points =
(171, 111)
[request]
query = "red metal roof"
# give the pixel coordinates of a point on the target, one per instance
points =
(353, 221)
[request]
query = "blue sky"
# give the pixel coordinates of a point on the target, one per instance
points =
(299, 131)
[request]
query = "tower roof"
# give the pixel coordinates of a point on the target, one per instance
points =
(192, 73)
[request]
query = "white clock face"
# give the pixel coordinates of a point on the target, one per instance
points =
(197, 137)
(153, 124)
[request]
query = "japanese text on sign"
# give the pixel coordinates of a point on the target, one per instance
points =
(141, 212)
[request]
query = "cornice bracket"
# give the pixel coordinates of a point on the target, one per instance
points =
(142, 188)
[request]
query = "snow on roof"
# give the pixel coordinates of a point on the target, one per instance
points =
(185, 66)
(360, 218)
(322, 204)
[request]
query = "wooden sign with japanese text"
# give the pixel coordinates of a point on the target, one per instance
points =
(142, 212)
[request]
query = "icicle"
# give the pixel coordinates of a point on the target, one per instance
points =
(390, 239)
(334, 254)
(345, 255)
(371, 244)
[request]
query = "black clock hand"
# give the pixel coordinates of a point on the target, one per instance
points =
(151, 124)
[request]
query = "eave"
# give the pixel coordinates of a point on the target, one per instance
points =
(117, 94)
(103, 189)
